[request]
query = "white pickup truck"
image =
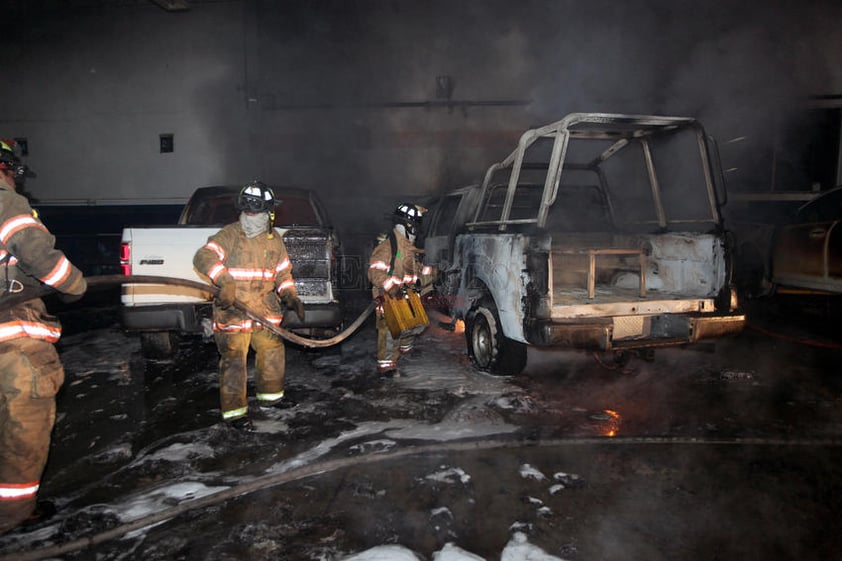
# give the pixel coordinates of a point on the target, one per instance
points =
(161, 312)
(599, 232)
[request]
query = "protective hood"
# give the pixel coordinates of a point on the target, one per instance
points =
(254, 224)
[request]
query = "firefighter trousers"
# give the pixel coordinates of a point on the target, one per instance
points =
(30, 376)
(389, 348)
(270, 357)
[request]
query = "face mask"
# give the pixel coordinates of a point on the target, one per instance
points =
(401, 230)
(254, 224)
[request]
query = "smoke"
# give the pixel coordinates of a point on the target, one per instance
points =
(341, 95)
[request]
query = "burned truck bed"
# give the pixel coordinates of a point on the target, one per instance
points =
(599, 232)
(628, 269)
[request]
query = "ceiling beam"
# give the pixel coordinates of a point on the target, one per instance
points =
(173, 5)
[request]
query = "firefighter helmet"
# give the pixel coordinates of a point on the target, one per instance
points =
(256, 197)
(409, 216)
(9, 160)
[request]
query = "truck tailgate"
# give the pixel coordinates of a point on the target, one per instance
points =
(164, 252)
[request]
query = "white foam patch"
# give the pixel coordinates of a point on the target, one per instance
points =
(384, 553)
(517, 549)
(449, 475)
(451, 552)
(135, 508)
(326, 446)
(180, 452)
(529, 472)
(451, 431)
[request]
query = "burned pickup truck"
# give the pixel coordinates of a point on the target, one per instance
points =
(598, 232)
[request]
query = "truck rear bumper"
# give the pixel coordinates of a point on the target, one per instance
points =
(322, 316)
(189, 317)
(653, 331)
(165, 317)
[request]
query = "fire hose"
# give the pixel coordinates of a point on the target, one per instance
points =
(329, 466)
(106, 280)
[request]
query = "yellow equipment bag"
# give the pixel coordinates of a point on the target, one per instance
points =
(404, 314)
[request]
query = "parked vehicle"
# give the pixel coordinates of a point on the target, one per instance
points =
(160, 312)
(599, 231)
(806, 253)
(788, 239)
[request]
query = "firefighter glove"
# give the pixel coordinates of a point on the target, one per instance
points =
(74, 292)
(394, 291)
(227, 295)
(294, 303)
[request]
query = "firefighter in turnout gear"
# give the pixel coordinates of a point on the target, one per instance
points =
(395, 266)
(248, 261)
(30, 370)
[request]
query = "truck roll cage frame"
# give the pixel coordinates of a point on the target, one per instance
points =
(623, 130)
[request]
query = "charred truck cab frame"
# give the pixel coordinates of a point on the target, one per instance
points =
(599, 232)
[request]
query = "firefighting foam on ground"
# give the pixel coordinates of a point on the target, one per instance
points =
(694, 454)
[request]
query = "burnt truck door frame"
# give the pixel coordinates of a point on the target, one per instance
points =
(440, 239)
(442, 225)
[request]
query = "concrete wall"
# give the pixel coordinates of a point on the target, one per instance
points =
(330, 94)
(95, 89)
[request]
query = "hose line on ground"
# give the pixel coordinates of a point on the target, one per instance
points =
(11, 300)
(328, 466)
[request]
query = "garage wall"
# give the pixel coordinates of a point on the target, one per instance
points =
(341, 95)
(95, 90)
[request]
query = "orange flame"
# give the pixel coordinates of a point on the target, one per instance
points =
(612, 425)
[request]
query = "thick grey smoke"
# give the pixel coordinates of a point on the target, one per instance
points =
(342, 95)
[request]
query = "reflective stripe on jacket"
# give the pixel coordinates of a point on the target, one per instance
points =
(28, 260)
(406, 268)
(261, 268)
(18, 491)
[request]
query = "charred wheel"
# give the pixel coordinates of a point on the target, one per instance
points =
(490, 350)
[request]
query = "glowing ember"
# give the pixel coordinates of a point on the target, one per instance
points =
(612, 423)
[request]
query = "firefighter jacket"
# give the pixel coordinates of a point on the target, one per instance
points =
(261, 269)
(29, 260)
(407, 271)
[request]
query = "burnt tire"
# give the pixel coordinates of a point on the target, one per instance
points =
(489, 350)
(158, 344)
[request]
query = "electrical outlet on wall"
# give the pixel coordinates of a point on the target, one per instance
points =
(167, 142)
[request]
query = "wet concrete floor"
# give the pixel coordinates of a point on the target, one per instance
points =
(726, 451)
